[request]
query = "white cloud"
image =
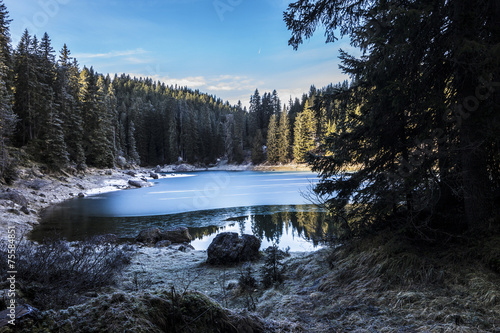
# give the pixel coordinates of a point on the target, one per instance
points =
(112, 54)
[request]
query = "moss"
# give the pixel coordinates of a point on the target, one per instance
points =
(162, 311)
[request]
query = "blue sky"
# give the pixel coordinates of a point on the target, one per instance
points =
(223, 47)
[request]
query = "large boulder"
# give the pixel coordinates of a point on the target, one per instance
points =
(15, 197)
(229, 248)
(154, 235)
(149, 236)
(177, 235)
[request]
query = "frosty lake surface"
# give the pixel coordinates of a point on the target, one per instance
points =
(269, 205)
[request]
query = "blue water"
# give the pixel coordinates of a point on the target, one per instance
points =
(270, 205)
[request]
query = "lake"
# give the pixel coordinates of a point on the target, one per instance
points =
(269, 205)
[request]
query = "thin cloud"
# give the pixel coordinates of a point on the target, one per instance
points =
(112, 54)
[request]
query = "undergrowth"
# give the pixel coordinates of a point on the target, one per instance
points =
(161, 311)
(56, 274)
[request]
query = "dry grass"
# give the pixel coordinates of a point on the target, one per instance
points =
(162, 311)
(390, 286)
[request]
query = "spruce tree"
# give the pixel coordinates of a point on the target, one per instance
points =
(7, 117)
(258, 148)
(427, 113)
(273, 140)
(69, 110)
(305, 134)
(285, 138)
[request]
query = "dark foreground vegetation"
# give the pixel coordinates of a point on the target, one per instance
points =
(58, 274)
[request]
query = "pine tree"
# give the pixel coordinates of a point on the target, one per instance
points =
(258, 148)
(7, 117)
(423, 125)
(26, 90)
(69, 110)
(305, 134)
(273, 140)
(285, 138)
(54, 147)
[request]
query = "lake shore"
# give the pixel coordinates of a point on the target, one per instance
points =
(23, 203)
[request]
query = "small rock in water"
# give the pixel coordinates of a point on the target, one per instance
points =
(81, 195)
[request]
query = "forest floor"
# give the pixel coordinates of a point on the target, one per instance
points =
(375, 287)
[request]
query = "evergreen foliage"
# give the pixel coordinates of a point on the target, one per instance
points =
(421, 119)
(285, 137)
(305, 133)
(273, 139)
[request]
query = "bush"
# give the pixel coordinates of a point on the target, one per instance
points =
(55, 275)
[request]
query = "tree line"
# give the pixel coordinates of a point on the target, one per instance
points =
(63, 115)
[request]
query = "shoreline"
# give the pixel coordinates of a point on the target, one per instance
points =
(23, 203)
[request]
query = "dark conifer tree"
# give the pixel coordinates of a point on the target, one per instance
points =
(273, 140)
(7, 117)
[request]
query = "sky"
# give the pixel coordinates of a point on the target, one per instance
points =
(226, 48)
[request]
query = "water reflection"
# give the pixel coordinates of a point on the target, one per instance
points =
(300, 227)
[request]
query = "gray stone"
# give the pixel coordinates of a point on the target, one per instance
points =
(25, 210)
(163, 243)
(15, 197)
(177, 235)
(130, 173)
(136, 183)
(154, 175)
(174, 236)
(185, 247)
(149, 236)
(229, 248)
(81, 195)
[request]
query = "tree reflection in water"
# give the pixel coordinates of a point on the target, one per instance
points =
(278, 222)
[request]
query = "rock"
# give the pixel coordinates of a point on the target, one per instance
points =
(177, 235)
(81, 195)
(136, 183)
(149, 236)
(121, 161)
(131, 173)
(157, 169)
(174, 236)
(108, 173)
(163, 243)
(15, 197)
(14, 211)
(25, 210)
(154, 175)
(228, 248)
(185, 247)
(37, 184)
